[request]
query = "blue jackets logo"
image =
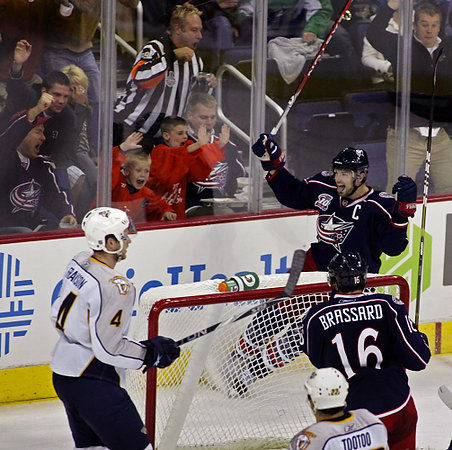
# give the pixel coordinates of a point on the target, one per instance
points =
(25, 197)
(15, 290)
(333, 230)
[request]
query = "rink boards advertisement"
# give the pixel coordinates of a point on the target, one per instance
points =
(31, 271)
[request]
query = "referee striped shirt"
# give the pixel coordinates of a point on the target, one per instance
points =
(158, 86)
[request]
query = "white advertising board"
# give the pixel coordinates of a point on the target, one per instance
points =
(31, 271)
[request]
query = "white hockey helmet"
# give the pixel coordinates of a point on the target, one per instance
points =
(101, 222)
(327, 388)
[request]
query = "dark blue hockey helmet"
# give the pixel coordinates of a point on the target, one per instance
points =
(347, 271)
(351, 158)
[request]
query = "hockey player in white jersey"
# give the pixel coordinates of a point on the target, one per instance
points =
(92, 315)
(337, 428)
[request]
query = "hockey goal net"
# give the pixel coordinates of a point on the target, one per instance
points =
(191, 404)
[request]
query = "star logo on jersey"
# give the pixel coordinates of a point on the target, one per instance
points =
(333, 230)
(25, 196)
(216, 179)
(121, 283)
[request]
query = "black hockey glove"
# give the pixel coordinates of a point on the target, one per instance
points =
(406, 191)
(161, 352)
(268, 151)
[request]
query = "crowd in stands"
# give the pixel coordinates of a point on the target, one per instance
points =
(168, 158)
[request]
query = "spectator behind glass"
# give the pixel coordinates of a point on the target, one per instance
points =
(425, 47)
(22, 20)
(69, 41)
(222, 180)
(161, 78)
(129, 177)
(21, 54)
(375, 60)
(216, 18)
(85, 153)
(30, 198)
(180, 161)
(61, 138)
(303, 18)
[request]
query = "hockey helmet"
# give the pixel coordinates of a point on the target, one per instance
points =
(348, 271)
(351, 158)
(327, 388)
(102, 222)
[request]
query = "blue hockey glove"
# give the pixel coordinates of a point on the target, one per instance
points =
(406, 191)
(161, 352)
(269, 152)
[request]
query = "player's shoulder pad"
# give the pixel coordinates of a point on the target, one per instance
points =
(121, 283)
(303, 440)
(325, 176)
(152, 50)
(391, 299)
(397, 301)
(366, 414)
(383, 199)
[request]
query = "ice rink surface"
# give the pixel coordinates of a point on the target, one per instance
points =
(42, 425)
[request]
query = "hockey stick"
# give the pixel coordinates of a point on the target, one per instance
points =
(311, 68)
(295, 270)
(425, 191)
(445, 395)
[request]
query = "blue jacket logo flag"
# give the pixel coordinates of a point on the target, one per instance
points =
(25, 196)
(333, 230)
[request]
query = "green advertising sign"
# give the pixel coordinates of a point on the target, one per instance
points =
(407, 263)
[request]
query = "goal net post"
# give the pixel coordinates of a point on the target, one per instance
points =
(192, 403)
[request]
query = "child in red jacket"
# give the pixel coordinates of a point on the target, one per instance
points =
(179, 161)
(129, 190)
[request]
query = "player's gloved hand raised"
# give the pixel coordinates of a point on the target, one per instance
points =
(269, 152)
(161, 352)
(406, 191)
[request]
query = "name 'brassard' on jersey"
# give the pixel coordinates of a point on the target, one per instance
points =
(371, 340)
(92, 315)
(357, 429)
(365, 224)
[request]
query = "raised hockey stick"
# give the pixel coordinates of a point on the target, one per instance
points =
(311, 68)
(445, 395)
(295, 270)
(425, 191)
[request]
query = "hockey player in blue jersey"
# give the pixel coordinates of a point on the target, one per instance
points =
(352, 215)
(368, 337)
